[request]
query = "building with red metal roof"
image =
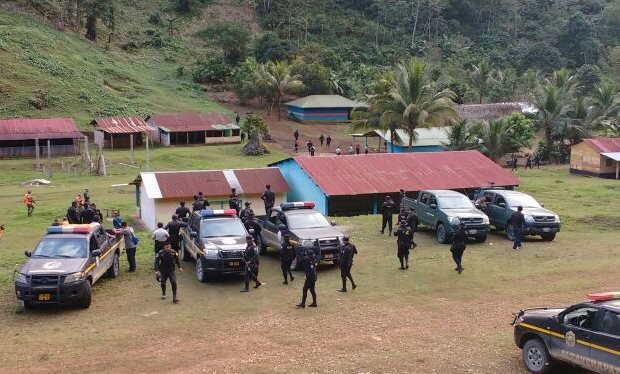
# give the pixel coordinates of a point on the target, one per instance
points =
(159, 193)
(22, 136)
(119, 132)
(356, 184)
(193, 128)
(599, 157)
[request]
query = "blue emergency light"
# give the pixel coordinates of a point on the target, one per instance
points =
(206, 213)
(297, 205)
(72, 229)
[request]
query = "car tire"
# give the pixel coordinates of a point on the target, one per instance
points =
(510, 233)
(84, 303)
(201, 272)
(27, 304)
(441, 234)
(184, 253)
(536, 357)
(548, 236)
(481, 238)
(115, 268)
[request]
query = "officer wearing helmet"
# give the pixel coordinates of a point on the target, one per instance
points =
(345, 262)
(459, 243)
(287, 255)
(404, 242)
(250, 259)
(309, 262)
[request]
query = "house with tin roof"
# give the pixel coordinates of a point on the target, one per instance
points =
(119, 132)
(432, 139)
(358, 184)
(33, 137)
(193, 128)
(158, 194)
(322, 108)
(598, 157)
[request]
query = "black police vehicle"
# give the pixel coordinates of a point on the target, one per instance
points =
(215, 239)
(585, 335)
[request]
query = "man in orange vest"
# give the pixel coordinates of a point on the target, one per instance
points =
(29, 202)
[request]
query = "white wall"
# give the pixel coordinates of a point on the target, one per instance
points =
(99, 138)
(147, 210)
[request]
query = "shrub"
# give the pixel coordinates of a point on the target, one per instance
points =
(212, 70)
(40, 99)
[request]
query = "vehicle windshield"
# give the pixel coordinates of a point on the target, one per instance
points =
(61, 248)
(311, 220)
(222, 227)
(525, 201)
(455, 202)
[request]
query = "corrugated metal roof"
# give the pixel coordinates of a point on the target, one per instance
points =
(182, 122)
(325, 101)
(38, 128)
(604, 144)
(389, 172)
(212, 182)
(425, 137)
(122, 125)
(613, 155)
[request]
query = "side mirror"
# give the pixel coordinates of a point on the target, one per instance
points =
(193, 234)
(433, 206)
(251, 231)
(281, 227)
(502, 205)
(333, 223)
(95, 253)
(28, 253)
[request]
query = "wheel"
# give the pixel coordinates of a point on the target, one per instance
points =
(510, 233)
(114, 270)
(441, 234)
(481, 238)
(535, 356)
(84, 303)
(201, 274)
(27, 304)
(548, 236)
(184, 254)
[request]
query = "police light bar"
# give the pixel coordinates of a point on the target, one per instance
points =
(72, 229)
(604, 296)
(297, 205)
(217, 212)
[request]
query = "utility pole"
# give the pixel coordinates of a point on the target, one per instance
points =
(147, 150)
(49, 158)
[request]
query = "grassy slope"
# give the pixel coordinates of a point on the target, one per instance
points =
(83, 79)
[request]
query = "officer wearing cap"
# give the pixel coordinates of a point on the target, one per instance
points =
(245, 213)
(345, 262)
(287, 255)
(251, 224)
(459, 243)
(250, 258)
(387, 212)
(404, 242)
(309, 263)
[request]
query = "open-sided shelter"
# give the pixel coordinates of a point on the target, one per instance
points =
(38, 136)
(119, 132)
(357, 184)
(193, 128)
(599, 157)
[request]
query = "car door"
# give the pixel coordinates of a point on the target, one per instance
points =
(94, 262)
(496, 212)
(424, 215)
(270, 231)
(575, 329)
(193, 226)
(431, 212)
(606, 342)
(105, 260)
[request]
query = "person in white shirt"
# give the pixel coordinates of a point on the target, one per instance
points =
(338, 151)
(160, 236)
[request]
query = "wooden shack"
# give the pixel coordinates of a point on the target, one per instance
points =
(598, 157)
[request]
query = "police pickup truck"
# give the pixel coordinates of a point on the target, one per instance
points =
(585, 335)
(215, 239)
(66, 263)
(307, 227)
(499, 204)
(444, 210)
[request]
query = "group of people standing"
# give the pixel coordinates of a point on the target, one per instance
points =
(530, 161)
(325, 142)
(83, 210)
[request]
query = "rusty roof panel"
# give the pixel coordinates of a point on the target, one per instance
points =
(388, 173)
(255, 180)
(122, 125)
(38, 128)
(604, 144)
(182, 122)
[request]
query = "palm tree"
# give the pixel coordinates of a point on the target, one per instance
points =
(494, 139)
(276, 80)
(605, 103)
(461, 137)
(563, 81)
(482, 78)
(577, 125)
(552, 105)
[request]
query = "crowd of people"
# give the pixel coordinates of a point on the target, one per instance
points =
(325, 143)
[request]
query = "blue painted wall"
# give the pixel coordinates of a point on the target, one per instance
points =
(318, 114)
(302, 187)
(403, 148)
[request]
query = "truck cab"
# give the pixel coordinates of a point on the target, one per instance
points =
(66, 263)
(444, 210)
(307, 227)
(500, 204)
(215, 240)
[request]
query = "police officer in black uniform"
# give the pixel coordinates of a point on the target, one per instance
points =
(403, 214)
(174, 228)
(269, 198)
(309, 262)
(345, 262)
(87, 215)
(387, 211)
(404, 241)
(412, 223)
(205, 202)
(233, 200)
(73, 215)
(246, 212)
(165, 260)
(250, 258)
(251, 224)
(287, 255)
(182, 211)
(459, 244)
(197, 205)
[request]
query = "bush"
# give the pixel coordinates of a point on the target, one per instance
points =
(520, 129)
(270, 47)
(40, 99)
(155, 19)
(212, 70)
(543, 56)
(315, 76)
(232, 38)
(588, 77)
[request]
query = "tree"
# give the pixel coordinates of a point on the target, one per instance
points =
(231, 37)
(605, 103)
(542, 56)
(482, 78)
(494, 139)
(270, 47)
(552, 105)
(315, 76)
(254, 127)
(276, 80)
(577, 41)
(98, 9)
(461, 137)
(520, 129)
(588, 77)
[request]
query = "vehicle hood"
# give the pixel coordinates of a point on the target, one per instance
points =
(317, 233)
(537, 211)
(538, 316)
(465, 213)
(53, 265)
(227, 242)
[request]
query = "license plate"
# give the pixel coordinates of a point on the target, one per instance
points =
(234, 263)
(328, 256)
(546, 229)
(45, 297)
(472, 232)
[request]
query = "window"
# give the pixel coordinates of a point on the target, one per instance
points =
(611, 323)
(582, 317)
(273, 217)
(499, 200)
(424, 199)
(609, 162)
(432, 200)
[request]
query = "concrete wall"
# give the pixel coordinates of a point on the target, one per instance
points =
(302, 187)
(147, 210)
